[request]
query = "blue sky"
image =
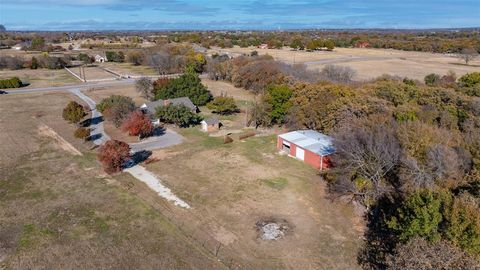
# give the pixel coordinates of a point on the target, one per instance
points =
(227, 14)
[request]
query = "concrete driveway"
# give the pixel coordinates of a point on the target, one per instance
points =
(169, 138)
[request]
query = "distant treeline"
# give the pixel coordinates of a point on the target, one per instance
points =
(440, 41)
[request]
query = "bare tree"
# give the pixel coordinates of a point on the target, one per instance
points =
(367, 151)
(145, 87)
(468, 54)
(338, 73)
(418, 254)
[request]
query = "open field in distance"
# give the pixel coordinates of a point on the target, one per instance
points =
(369, 63)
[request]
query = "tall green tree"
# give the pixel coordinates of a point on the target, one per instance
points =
(188, 85)
(278, 99)
(420, 215)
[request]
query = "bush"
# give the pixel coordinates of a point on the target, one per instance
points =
(223, 105)
(177, 114)
(432, 79)
(470, 79)
(10, 83)
(116, 108)
(82, 133)
(138, 124)
(73, 112)
(113, 155)
(113, 100)
(115, 56)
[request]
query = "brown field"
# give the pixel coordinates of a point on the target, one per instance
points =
(231, 187)
(41, 77)
(60, 211)
(220, 87)
(130, 69)
(371, 63)
(93, 73)
(99, 93)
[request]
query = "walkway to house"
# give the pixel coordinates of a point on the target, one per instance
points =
(155, 184)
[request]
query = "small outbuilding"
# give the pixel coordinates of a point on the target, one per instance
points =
(210, 125)
(310, 146)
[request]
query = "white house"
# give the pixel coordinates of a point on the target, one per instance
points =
(100, 59)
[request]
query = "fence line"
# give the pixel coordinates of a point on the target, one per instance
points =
(75, 75)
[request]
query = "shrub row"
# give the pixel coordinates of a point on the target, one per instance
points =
(10, 83)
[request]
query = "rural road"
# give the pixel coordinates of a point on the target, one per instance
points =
(168, 138)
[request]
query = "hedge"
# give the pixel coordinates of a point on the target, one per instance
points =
(10, 83)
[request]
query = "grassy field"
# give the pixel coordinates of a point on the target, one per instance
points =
(231, 187)
(93, 73)
(370, 63)
(60, 211)
(41, 77)
(130, 69)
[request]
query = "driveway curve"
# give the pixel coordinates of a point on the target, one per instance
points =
(169, 138)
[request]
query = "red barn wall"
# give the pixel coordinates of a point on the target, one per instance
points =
(310, 158)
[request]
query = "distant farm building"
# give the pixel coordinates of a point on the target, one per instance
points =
(100, 59)
(210, 125)
(263, 46)
(310, 146)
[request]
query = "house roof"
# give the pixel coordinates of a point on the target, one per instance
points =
(310, 140)
(151, 106)
(211, 121)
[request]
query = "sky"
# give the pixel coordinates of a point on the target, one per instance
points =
(236, 14)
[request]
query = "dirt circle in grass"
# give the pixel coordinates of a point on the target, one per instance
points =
(272, 228)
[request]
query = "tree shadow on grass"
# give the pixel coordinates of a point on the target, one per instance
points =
(94, 137)
(91, 121)
(158, 131)
(138, 157)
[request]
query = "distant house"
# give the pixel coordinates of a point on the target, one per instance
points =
(17, 47)
(100, 58)
(312, 147)
(263, 46)
(150, 107)
(210, 125)
(21, 46)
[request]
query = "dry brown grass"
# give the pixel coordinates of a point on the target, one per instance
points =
(220, 87)
(99, 93)
(229, 191)
(370, 63)
(130, 69)
(41, 77)
(93, 73)
(59, 211)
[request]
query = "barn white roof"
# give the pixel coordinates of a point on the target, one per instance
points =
(310, 140)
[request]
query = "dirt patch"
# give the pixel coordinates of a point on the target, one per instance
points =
(46, 131)
(272, 228)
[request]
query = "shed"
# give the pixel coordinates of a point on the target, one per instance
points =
(310, 146)
(210, 125)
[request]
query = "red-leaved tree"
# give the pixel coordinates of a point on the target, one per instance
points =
(113, 154)
(137, 124)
